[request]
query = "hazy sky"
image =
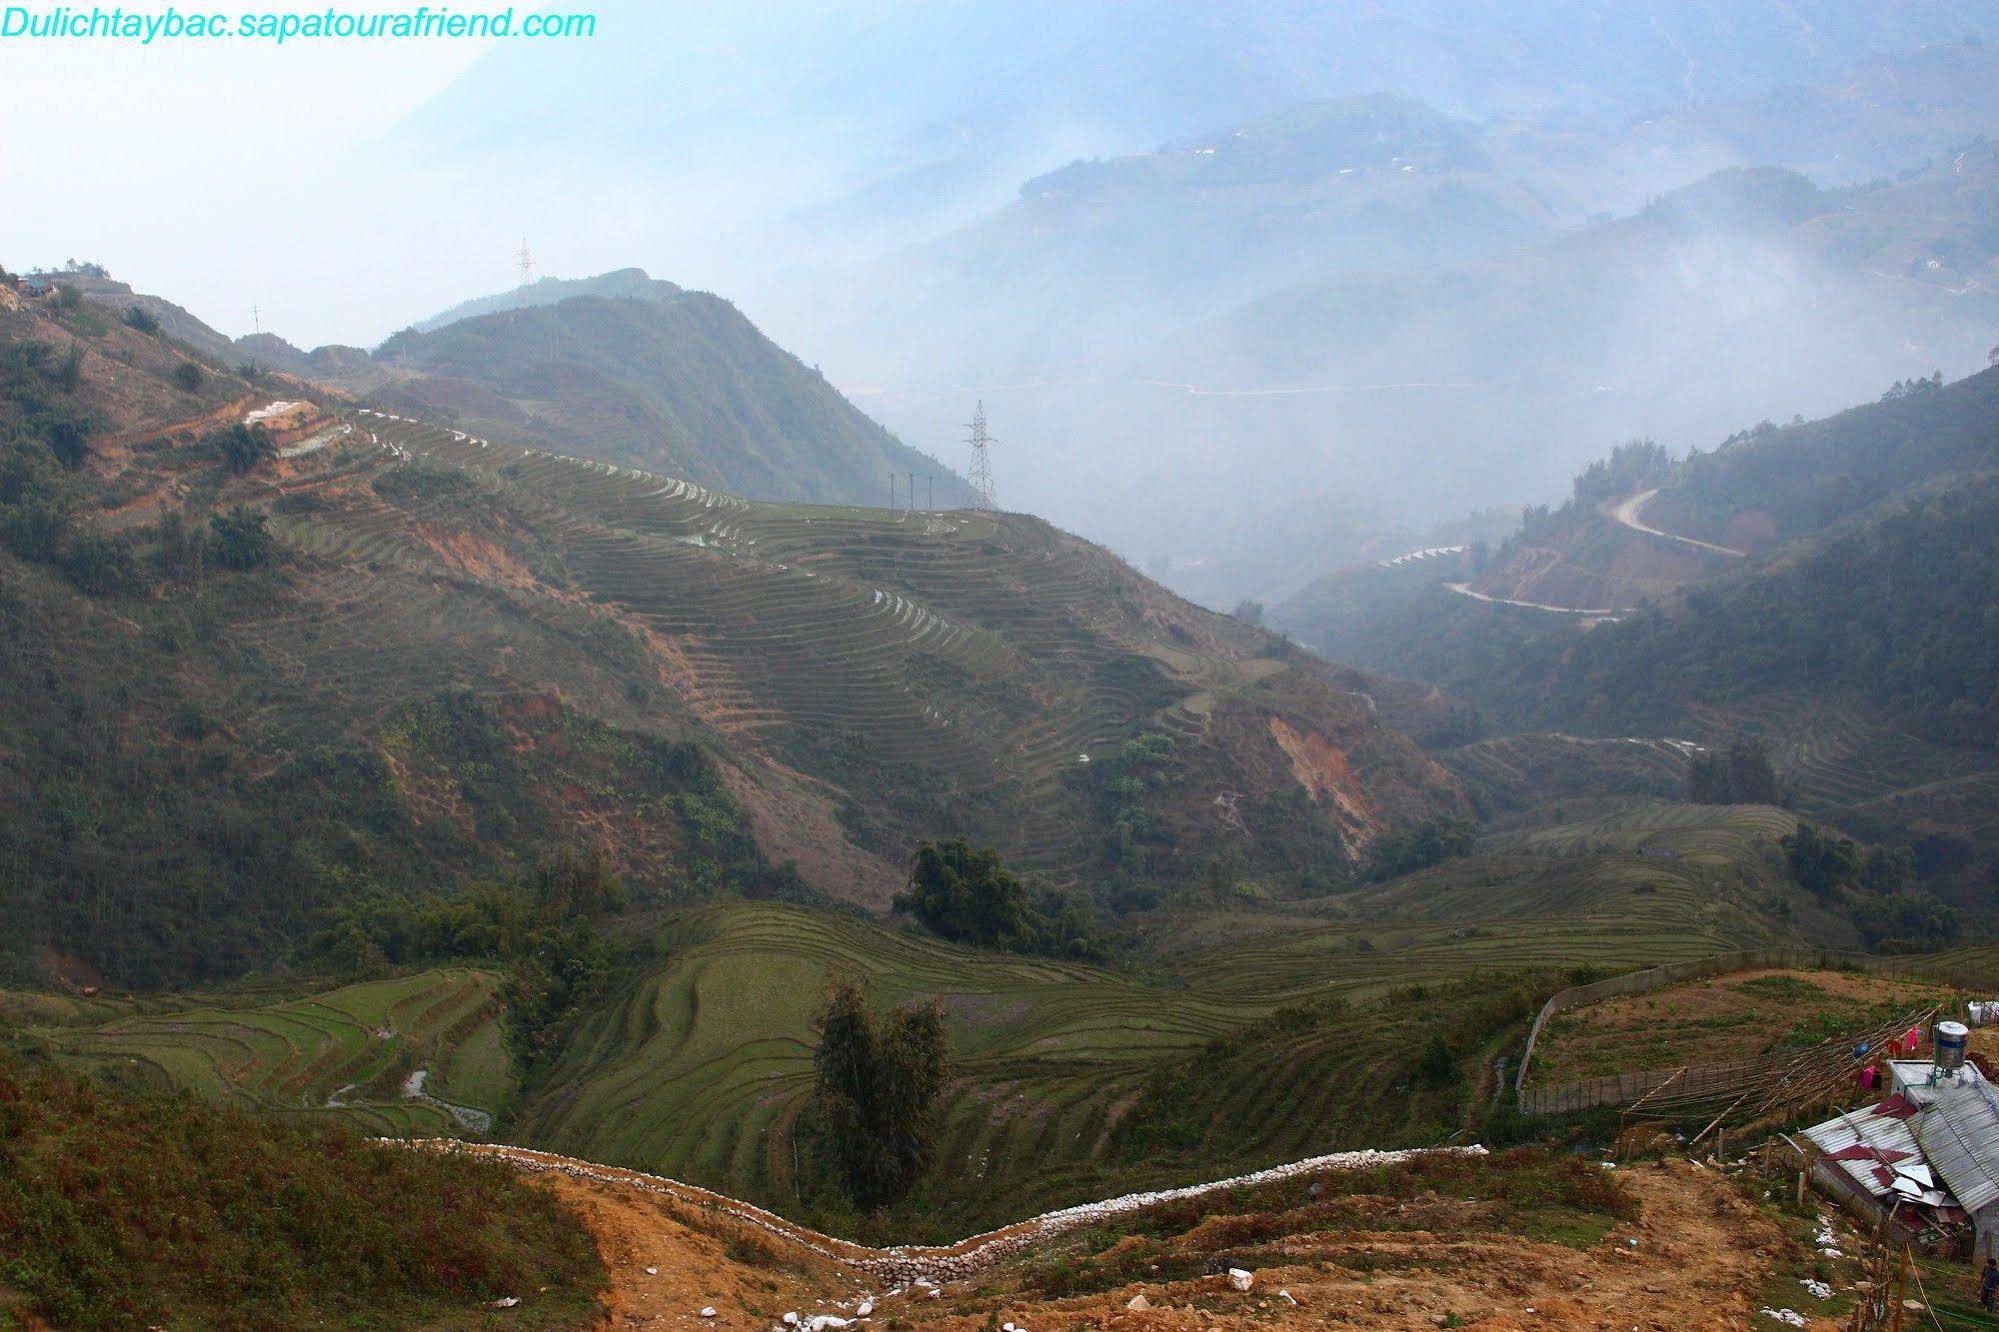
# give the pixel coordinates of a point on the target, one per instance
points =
(211, 172)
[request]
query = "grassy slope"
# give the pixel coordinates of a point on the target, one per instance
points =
(1259, 1030)
(119, 1212)
(698, 1066)
(682, 384)
(342, 1055)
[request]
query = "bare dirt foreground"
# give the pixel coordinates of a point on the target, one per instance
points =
(1700, 1257)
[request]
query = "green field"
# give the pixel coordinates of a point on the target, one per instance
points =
(345, 1054)
(1237, 1031)
(699, 1065)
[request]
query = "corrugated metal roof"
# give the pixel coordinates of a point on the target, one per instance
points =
(1959, 1133)
(1888, 1136)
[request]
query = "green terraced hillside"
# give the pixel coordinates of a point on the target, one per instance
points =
(416, 1055)
(698, 1067)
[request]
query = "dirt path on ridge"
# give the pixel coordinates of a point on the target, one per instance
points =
(1701, 1256)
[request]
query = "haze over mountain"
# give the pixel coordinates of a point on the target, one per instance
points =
(1063, 207)
(620, 368)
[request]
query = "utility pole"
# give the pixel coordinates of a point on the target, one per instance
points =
(891, 490)
(912, 491)
(930, 492)
(983, 495)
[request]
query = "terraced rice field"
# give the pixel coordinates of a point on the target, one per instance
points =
(1835, 753)
(861, 645)
(698, 1068)
(347, 1053)
(1664, 830)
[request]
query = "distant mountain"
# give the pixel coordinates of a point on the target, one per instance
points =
(650, 376)
(623, 284)
(896, 109)
(1751, 287)
(1826, 586)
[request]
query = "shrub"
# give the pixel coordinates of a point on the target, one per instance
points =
(242, 538)
(182, 549)
(120, 1212)
(1420, 847)
(242, 447)
(101, 565)
(188, 377)
(144, 320)
(36, 527)
(67, 433)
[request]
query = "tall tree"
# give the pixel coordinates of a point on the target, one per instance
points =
(877, 1093)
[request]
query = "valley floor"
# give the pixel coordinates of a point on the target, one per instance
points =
(1696, 1256)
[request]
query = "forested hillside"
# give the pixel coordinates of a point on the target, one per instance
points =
(262, 656)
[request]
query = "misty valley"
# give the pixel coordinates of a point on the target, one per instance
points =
(1117, 665)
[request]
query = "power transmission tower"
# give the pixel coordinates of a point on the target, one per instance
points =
(525, 263)
(983, 494)
(256, 320)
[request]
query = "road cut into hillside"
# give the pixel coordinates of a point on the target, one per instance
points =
(1696, 1256)
(1627, 513)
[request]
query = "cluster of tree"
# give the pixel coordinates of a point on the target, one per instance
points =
(1631, 467)
(544, 927)
(44, 436)
(968, 896)
(1908, 923)
(242, 447)
(1418, 847)
(1909, 388)
(1740, 775)
(142, 319)
(1825, 863)
(875, 1100)
(1809, 475)
(1126, 785)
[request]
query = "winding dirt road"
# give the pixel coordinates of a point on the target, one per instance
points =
(1594, 613)
(1627, 514)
